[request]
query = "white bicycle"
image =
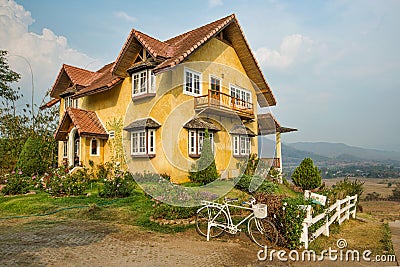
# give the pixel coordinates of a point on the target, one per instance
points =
(213, 219)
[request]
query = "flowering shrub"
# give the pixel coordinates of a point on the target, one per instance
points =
(59, 182)
(16, 183)
(116, 183)
(287, 215)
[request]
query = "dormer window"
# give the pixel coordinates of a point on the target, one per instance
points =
(143, 83)
(69, 102)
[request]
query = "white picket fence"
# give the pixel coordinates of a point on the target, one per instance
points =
(342, 208)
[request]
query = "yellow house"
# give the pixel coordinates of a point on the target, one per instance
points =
(149, 109)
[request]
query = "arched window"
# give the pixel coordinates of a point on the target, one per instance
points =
(94, 147)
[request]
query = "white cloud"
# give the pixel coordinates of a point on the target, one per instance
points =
(124, 16)
(214, 3)
(293, 48)
(45, 52)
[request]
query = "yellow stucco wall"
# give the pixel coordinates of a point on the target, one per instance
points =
(172, 109)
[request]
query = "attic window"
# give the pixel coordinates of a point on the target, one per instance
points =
(69, 102)
(143, 83)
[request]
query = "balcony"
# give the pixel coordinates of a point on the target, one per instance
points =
(223, 104)
(273, 162)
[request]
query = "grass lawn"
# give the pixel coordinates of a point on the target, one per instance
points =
(360, 235)
(133, 210)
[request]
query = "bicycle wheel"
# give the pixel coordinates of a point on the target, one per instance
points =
(262, 232)
(211, 214)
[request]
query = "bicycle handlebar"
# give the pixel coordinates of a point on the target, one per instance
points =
(227, 199)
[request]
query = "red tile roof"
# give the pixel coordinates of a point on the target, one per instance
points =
(49, 104)
(80, 76)
(168, 54)
(105, 81)
(175, 50)
(188, 42)
(86, 122)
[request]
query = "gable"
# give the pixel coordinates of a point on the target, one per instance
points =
(176, 50)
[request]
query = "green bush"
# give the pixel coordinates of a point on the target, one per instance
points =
(306, 175)
(345, 188)
(169, 212)
(16, 183)
(243, 183)
(287, 217)
(396, 193)
(30, 160)
(205, 170)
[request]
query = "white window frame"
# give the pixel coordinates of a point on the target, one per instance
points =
(143, 142)
(193, 74)
(65, 149)
(69, 102)
(97, 147)
(145, 87)
(111, 134)
(236, 146)
(192, 142)
(241, 93)
(196, 138)
(217, 79)
(151, 139)
(241, 145)
(201, 135)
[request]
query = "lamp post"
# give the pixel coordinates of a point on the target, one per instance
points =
(33, 89)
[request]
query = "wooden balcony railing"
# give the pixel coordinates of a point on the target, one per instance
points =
(273, 162)
(224, 102)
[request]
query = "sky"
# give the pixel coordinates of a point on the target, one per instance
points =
(333, 66)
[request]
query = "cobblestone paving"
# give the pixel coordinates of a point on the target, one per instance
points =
(87, 243)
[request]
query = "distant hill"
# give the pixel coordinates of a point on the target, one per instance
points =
(290, 154)
(295, 156)
(342, 151)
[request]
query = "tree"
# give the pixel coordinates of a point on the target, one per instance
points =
(205, 170)
(7, 76)
(306, 175)
(16, 124)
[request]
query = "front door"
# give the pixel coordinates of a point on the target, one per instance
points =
(76, 149)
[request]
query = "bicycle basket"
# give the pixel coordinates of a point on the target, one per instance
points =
(260, 210)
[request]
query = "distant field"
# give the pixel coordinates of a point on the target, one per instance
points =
(378, 185)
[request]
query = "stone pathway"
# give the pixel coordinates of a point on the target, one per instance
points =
(53, 241)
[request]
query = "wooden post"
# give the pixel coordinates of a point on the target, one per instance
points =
(304, 234)
(355, 207)
(307, 220)
(326, 231)
(348, 208)
(338, 210)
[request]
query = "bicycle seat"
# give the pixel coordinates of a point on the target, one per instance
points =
(227, 199)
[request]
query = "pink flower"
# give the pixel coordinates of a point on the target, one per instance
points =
(19, 172)
(13, 172)
(33, 177)
(5, 181)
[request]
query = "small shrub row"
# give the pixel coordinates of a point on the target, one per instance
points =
(244, 183)
(169, 212)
